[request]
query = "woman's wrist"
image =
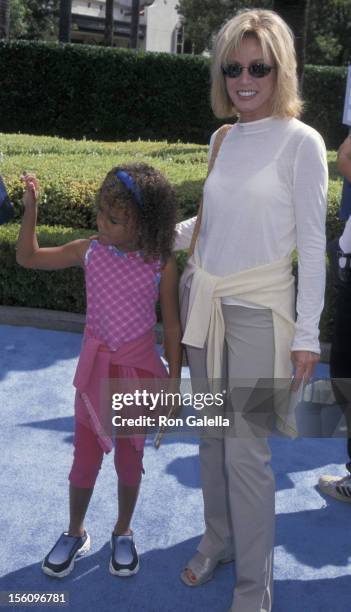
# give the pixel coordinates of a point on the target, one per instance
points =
(343, 164)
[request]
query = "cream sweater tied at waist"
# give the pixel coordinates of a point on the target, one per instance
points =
(270, 285)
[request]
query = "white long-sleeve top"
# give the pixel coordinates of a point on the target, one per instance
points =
(266, 196)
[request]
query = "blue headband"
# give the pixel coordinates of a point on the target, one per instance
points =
(132, 186)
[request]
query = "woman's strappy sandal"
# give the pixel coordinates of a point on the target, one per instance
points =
(202, 569)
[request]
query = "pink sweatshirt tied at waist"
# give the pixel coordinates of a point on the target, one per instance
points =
(93, 372)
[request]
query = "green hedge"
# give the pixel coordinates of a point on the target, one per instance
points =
(324, 93)
(70, 173)
(64, 289)
(113, 94)
(109, 94)
(57, 290)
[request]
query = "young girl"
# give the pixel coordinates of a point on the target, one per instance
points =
(127, 265)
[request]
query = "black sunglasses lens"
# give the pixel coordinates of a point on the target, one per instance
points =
(232, 70)
(259, 70)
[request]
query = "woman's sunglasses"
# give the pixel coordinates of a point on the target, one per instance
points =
(256, 70)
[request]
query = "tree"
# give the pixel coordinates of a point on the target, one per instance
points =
(4, 18)
(134, 26)
(34, 19)
(65, 20)
(295, 13)
(18, 19)
(109, 24)
(329, 32)
(203, 18)
(42, 19)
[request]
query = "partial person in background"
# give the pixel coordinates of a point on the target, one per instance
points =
(6, 208)
(339, 252)
(264, 197)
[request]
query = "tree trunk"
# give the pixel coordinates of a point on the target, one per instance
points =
(109, 25)
(295, 13)
(134, 26)
(4, 18)
(65, 20)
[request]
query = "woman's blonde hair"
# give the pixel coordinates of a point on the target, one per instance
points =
(275, 38)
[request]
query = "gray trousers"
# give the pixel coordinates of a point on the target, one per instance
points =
(237, 479)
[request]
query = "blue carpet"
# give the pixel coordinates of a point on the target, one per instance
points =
(312, 554)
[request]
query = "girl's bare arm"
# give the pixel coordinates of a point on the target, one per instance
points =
(29, 254)
(170, 317)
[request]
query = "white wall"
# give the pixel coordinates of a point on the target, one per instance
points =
(96, 8)
(161, 19)
(161, 22)
(89, 9)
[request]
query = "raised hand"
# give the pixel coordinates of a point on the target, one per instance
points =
(31, 192)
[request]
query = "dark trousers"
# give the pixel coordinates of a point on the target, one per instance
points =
(340, 356)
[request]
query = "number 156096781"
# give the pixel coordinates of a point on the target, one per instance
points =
(18, 598)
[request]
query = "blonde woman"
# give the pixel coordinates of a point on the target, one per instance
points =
(264, 197)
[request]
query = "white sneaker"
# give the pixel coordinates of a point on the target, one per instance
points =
(337, 487)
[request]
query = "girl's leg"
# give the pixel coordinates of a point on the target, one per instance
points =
(127, 499)
(78, 505)
(129, 466)
(87, 461)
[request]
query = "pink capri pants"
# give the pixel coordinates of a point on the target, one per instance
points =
(88, 456)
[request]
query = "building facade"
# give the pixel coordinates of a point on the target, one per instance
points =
(160, 27)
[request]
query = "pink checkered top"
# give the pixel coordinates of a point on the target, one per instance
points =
(122, 290)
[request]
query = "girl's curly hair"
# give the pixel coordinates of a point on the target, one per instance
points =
(155, 219)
